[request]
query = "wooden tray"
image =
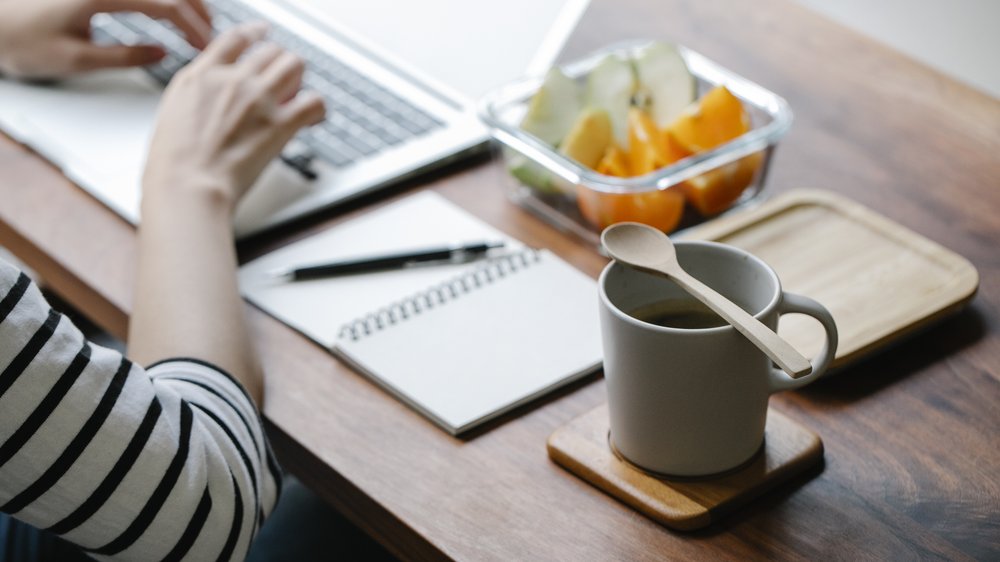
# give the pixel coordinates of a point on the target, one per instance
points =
(582, 447)
(880, 280)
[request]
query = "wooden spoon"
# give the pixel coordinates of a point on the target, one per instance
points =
(646, 248)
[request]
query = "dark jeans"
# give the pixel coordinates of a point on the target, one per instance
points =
(302, 527)
(20, 542)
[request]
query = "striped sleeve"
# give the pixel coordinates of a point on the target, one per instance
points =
(164, 463)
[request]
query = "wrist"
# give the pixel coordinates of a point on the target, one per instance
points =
(205, 195)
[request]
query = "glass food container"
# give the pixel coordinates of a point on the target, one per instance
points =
(585, 201)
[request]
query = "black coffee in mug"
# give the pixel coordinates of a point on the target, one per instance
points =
(686, 314)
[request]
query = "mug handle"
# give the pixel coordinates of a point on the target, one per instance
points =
(792, 303)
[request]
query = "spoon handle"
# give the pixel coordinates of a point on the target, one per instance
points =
(790, 360)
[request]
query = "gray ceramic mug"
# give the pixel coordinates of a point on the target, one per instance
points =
(693, 401)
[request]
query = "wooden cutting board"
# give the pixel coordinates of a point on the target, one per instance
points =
(880, 280)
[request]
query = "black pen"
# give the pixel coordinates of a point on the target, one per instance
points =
(452, 254)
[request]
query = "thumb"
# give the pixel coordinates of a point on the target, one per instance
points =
(89, 56)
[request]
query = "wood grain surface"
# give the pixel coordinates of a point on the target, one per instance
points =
(686, 504)
(879, 280)
(911, 442)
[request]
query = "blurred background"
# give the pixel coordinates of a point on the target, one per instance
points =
(956, 37)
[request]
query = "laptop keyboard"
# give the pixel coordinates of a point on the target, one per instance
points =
(363, 118)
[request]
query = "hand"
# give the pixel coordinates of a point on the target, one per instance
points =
(223, 118)
(51, 38)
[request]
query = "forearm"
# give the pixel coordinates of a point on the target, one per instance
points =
(222, 119)
(187, 302)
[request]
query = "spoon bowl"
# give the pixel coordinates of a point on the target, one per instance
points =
(638, 245)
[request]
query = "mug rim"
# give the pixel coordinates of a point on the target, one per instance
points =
(760, 315)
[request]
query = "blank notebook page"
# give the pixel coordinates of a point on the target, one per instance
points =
(527, 326)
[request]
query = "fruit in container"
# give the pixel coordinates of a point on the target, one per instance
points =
(610, 86)
(551, 114)
(716, 190)
(649, 148)
(554, 108)
(614, 163)
(660, 209)
(589, 138)
(666, 87)
(630, 117)
(718, 117)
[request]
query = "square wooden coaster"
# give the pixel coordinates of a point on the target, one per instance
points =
(582, 447)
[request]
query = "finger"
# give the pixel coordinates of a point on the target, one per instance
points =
(257, 60)
(87, 56)
(228, 47)
(202, 10)
(283, 77)
(195, 27)
(303, 110)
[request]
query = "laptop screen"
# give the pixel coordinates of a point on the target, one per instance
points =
(468, 46)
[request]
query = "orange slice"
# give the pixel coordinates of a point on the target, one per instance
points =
(716, 190)
(650, 148)
(673, 149)
(716, 118)
(659, 209)
(613, 163)
(646, 148)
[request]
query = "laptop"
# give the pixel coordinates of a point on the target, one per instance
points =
(401, 82)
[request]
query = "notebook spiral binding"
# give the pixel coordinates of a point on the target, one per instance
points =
(440, 294)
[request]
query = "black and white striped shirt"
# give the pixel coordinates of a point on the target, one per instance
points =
(162, 463)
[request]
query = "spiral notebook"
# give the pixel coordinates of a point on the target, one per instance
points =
(461, 344)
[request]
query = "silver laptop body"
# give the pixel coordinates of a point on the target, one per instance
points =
(387, 119)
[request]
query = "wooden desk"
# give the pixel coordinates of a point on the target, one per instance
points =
(911, 435)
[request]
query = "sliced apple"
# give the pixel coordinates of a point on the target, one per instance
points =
(589, 138)
(553, 108)
(610, 86)
(530, 173)
(666, 86)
